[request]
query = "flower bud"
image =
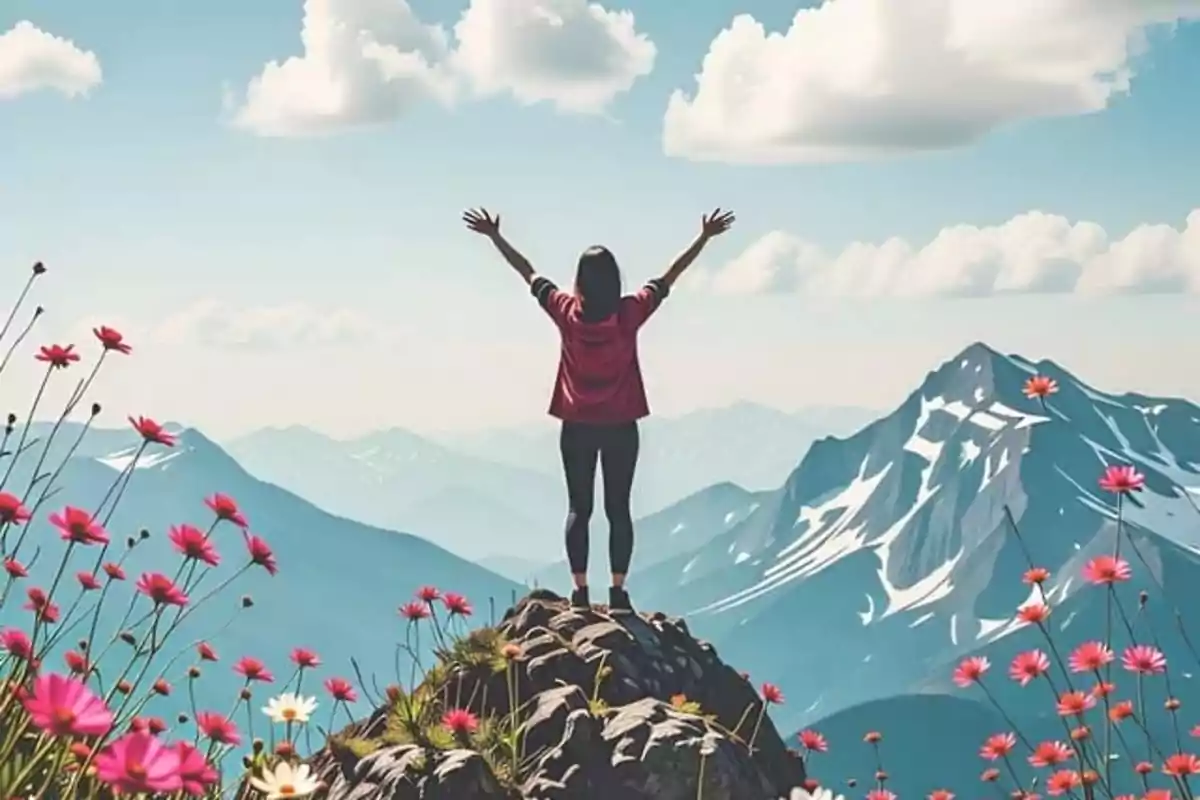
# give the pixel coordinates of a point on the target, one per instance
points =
(247, 601)
(143, 534)
(257, 746)
(12, 418)
(245, 693)
(124, 687)
(39, 268)
(128, 638)
(130, 542)
(37, 312)
(285, 749)
(182, 719)
(95, 409)
(247, 762)
(83, 645)
(193, 672)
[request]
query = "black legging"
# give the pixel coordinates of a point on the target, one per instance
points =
(616, 446)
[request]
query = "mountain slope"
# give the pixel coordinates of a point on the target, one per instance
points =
(892, 548)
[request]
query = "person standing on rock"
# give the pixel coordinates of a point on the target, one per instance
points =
(599, 395)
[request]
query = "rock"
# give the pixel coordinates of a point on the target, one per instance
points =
(606, 706)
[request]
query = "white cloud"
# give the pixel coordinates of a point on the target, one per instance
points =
(369, 61)
(31, 59)
(1030, 253)
(868, 78)
(213, 324)
(573, 53)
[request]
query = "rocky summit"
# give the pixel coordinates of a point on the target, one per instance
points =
(555, 703)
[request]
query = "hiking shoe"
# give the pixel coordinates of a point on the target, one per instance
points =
(618, 600)
(580, 599)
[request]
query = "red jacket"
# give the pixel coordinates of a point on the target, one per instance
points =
(599, 378)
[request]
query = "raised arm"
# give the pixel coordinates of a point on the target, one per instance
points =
(480, 221)
(713, 224)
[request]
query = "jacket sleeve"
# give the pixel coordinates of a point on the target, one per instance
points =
(646, 301)
(555, 301)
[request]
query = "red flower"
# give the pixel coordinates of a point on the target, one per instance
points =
(11, 509)
(305, 659)
(226, 509)
(57, 356)
(15, 568)
(40, 605)
(1090, 656)
(114, 571)
(1143, 768)
(1144, 659)
(16, 643)
(813, 741)
(340, 689)
(161, 589)
(161, 687)
(1120, 711)
(1062, 782)
(77, 663)
(1036, 575)
(1182, 764)
(880, 794)
(427, 594)
(970, 670)
(87, 581)
(1157, 794)
(78, 526)
(1028, 665)
(152, 432)
(460, 721)
(941, 794)
(871, 737)
(1103, 688)
(998, 746)
(772, 694)
(260, 553)
(191, 542)
(205, 651)
(217, 728)
(1048, 754)
(1040, 386)
(1073, 704)
(1122, 480)
(414, 611)
(111, 339)
(1106, 569)
(1035, 613)
(196, 772)
(253, 670)
(456, 604)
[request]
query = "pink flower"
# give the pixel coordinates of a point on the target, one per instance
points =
(1073, 704)
(460, 721)
(161, 589)
(253, 670)
(414, 611)
(1028, 665)
(64, 706)
(456, 604)
(970, 670)
(217, 728)
(77, 663)
(1090, 656)
(40, 605)
(138, 763)
(260, 554)
(1048, 754)
(226, 509)
(57, 356)
(114, 571)
(190, 542)
(1106, 569)
(206, 652)
(427, 594)
(305, 659)
(87, 581)
(152, 432)
(772, 694)
(880, 794)
(15, 568)
(1122, 480)
(1040, 386)
(11, 509)
(1144, 659)
(813, 741)
(78, 526)
(111, 339)
(340, 689)
(16, 643)
(998, 746)
(196, 773)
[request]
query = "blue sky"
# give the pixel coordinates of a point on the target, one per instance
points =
(157, 213)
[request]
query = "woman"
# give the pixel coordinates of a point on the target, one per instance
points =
(598, 394)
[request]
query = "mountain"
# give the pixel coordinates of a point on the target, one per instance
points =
(887, 556)
(745, 443)
(339, 581)
(399, 480)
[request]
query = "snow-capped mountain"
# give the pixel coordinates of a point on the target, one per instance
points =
(888, 555)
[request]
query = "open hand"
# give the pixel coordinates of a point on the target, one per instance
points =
(716, 223)
(480, 221)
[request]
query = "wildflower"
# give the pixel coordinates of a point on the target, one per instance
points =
(190, 542)
(414, 611)
(813, 742)
(111, 339)
(77, 663)
(1157, 794)
(161, 589)
(226, 509)
(152, 432)
(260, 554)
(253, 670)
(305, 659)
(40, 605)
(15, 569)
(1144, 659)
(1122, 480)
(87, 581)
(427, 594)
(1171, 704)
(872, 737)
(880, 794)
(285, 749)
(1106, 569)
(216, 727)
(460, 721)
(139, 763)
(510, 651)
(1080, 734)
(1049, 754)
(1104, 689)
(340, 689)
(1181, 764)
(1063, 781)
(456, 604)
(772, 694)
(114, 572)
(64, 706)
(16, 643)
(124, 686)
(997, 746)
(77, 525)
(1040, 386)
(1074, 703)
(1090, 656)
(970, 670)
(1035, 613)
(1036, 576)
(11, 510)
(941, 794)
(289, 707)
(195, 772)
(393, 693)
(1027, 666)
(286, 781)
(57, 356)
(206, 653)
(161, 687)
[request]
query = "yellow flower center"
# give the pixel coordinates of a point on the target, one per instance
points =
(288, 714)
(287, 790)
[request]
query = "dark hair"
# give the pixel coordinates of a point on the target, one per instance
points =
(598, 283)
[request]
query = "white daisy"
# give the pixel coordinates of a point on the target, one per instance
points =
(820, 794)
(289, 707)
(284, 782)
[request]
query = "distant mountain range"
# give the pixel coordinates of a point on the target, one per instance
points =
(499, 494)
